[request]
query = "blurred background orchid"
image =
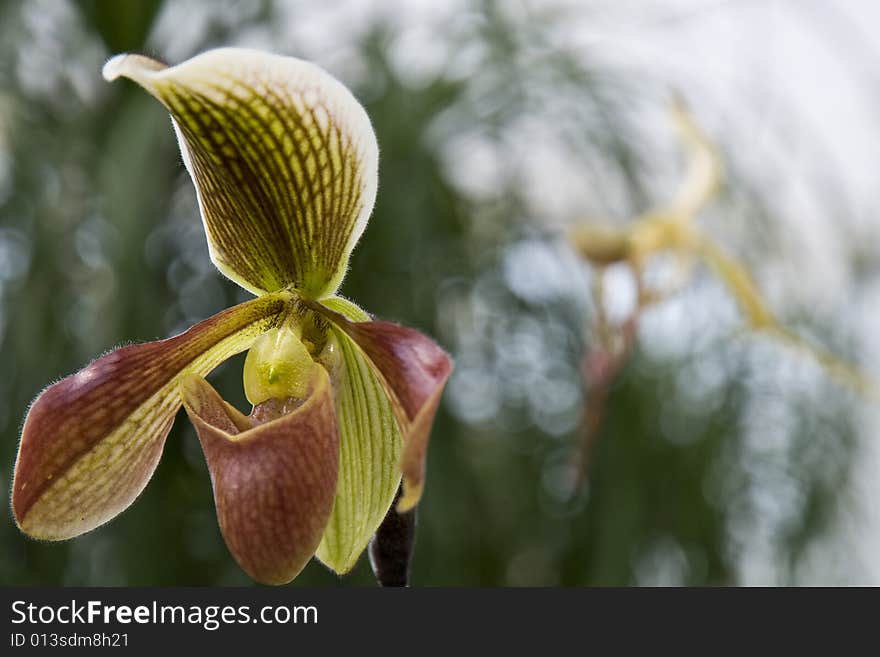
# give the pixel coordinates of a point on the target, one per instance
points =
(722, 457)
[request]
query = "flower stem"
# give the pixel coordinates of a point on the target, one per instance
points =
(391, 548)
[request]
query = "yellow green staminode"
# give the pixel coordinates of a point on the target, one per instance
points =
(278, 365)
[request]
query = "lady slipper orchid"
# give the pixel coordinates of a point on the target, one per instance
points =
(285, 166)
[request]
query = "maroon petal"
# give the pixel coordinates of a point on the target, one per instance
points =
(414, 370)
(274, 482)
(91, 441)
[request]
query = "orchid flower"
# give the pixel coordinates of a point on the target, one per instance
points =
(285, 166)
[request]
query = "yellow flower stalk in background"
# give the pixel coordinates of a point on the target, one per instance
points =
(673, 229)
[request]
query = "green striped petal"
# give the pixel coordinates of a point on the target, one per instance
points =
(413, 371)
(370, 446)
(283, 157)
(91, 441)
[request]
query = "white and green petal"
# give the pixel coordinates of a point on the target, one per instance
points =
(91, 442)
(283, 157)
(412, 370)
(370, 448)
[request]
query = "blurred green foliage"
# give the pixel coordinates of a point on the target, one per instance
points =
(100, 244)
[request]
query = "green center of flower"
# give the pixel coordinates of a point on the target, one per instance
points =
(278, 366)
